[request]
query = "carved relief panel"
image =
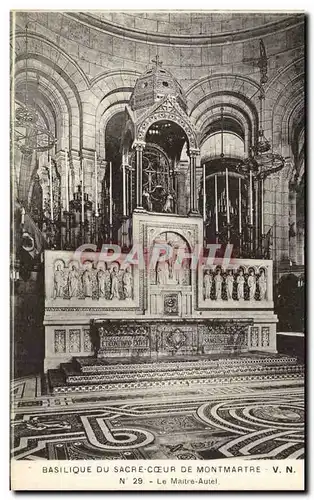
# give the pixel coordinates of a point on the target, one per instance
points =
(245, 284)
(70, 282)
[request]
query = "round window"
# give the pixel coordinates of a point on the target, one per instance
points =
(165, 84)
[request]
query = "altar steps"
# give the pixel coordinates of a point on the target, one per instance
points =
(92, 374)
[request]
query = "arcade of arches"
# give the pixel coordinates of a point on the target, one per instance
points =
(163, 126)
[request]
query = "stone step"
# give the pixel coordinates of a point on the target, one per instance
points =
(174, 371)
(59, 386)
(88, 365)
(90, 374)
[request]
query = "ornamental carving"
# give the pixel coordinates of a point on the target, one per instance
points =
(168, 110)
(241, 284)
(92, 281)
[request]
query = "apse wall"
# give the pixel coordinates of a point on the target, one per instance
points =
(88, 63)
(214, 43)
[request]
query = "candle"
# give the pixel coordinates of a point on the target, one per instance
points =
(83, 217)
(216, 203)
(262, 205)
(51, 194)
(110, 194)
(251, 198)
(96, 186)
(22, 215)
(240, 207)
(227, 197)
(66, 182)
(204, 193)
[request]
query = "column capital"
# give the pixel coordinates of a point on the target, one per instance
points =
(138, 145)
(193, 152)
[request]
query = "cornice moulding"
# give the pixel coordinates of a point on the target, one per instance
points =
(185, 40)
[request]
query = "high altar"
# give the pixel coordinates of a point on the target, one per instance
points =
(116, 308)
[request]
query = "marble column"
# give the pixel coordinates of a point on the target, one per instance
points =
(139, 147)
(292, 224)
(193, 154)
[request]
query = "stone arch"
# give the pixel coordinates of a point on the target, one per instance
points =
(282, 109)
(278, 90)
(235, 104)
(232, 112)
(57, 112)
(66, 92)
(160, 115)
(41, 45)
(238, 84)
(113, 90)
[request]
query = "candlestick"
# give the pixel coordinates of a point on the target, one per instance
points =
(66, 182)
(251, 198)
(83, 217)
(51, 193)
(96, 186)
(227, 197)
(124, 188)
(204, 193)
(240, 207)
(216, 203)
(110, 194)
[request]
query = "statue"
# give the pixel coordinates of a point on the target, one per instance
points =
(252, 285)
(87, 281)
(114, 284)
(168, 207)
(240, 287)
(107, 280)
(73, 281)
(208, 281)
(229, 282)
(218, 284)
(262, 283)
(58, 282)
(128, 284)
(101, 277)
(162, 273)
(147, 204)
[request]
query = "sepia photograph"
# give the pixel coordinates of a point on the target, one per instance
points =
(157, 268)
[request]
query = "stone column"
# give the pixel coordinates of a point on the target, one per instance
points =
(300, 244)
(292, 224)
(182, 195)
(193, 154)
(139, 146)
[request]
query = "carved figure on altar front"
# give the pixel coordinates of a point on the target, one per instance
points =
(107, 283)
(251, 284)
(128, 284)
(240, 285)
(218, 284)
(87, 282)
(171, 261)
(229, 283)
(58, 282)
(73, 281)
(207, 283)
(262, 283)
(101, 277)
(162, 273)
(114, 292)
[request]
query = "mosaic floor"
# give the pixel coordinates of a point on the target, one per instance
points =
(253, 421)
